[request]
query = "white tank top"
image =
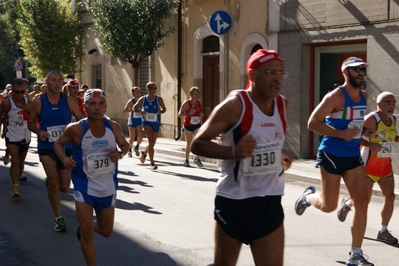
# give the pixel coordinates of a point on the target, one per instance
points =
(262, 174)
(17, 129)
(95, 174)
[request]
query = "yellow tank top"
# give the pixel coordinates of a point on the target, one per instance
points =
(375, 164)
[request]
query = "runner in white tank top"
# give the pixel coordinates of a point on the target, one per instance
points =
(250, 125)
(94, 169)
(17, 108)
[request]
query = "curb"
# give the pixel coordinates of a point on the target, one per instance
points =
(294, 174)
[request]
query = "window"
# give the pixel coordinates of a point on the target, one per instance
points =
(210, 44)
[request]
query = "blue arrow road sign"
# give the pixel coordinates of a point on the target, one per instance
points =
(220, 22)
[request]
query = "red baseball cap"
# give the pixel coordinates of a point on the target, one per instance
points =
(259, 58)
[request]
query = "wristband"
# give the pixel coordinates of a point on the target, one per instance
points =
(233, 153)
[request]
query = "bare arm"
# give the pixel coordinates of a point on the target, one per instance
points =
(162, 104)
(73, 105)
(35, 109)
(120, 141)
(72, 133)
(138, 105)
(4, 107)
(369, 129)
(332, 102)
(128, 107)
(183, 110)
(222, 119)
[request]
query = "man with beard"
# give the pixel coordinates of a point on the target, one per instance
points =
(340, 118)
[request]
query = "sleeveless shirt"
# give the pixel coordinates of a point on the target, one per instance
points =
(17, 128)
(379, 164)
(53, 119)
(350, 116)
(95, 174)
(262, 173)
(194, 119)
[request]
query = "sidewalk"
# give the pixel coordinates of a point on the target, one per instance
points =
(301, 170)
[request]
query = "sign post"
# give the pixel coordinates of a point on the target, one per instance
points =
(18, 68)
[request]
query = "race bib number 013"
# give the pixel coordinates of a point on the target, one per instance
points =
(264, 160)
(99, 163)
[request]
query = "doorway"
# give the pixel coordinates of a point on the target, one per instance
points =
(210, 88)
(327, 74)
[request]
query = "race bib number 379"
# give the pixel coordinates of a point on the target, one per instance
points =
(99, 163)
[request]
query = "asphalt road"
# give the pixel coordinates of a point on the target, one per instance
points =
(166, 218)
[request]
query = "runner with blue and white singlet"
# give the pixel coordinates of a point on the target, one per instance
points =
(134, 122)
(151, 106)
(94, 165)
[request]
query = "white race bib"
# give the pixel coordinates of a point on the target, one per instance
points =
(99, 163)
(386, 150)
(265, 159)
(151, 117)
(136, 115)
(19, 125)
(358, 124)
(55, 132)
(195, 120)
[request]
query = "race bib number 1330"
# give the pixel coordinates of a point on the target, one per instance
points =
(265, 159)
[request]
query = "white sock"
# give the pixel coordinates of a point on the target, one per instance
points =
(56, 218)
(307, 200)
(383, 228)
(356, 250)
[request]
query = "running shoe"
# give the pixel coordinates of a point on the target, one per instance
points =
(129, 154)
(301, 204)
(153, 167)
(78, 234)
(142, 157)
(343, 210)
(6, 160)
(387, 237)
(60, 225)
(198, 162)
(136, 151)
(23, 178)
(15, 193)
(358, 259)
(186, 163)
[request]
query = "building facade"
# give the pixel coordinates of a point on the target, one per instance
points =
(314, 39)
(312, 36)
(195, 55)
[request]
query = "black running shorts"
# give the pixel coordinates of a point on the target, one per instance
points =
(249, 219)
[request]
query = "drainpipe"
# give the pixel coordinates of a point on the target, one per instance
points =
(179, 68)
